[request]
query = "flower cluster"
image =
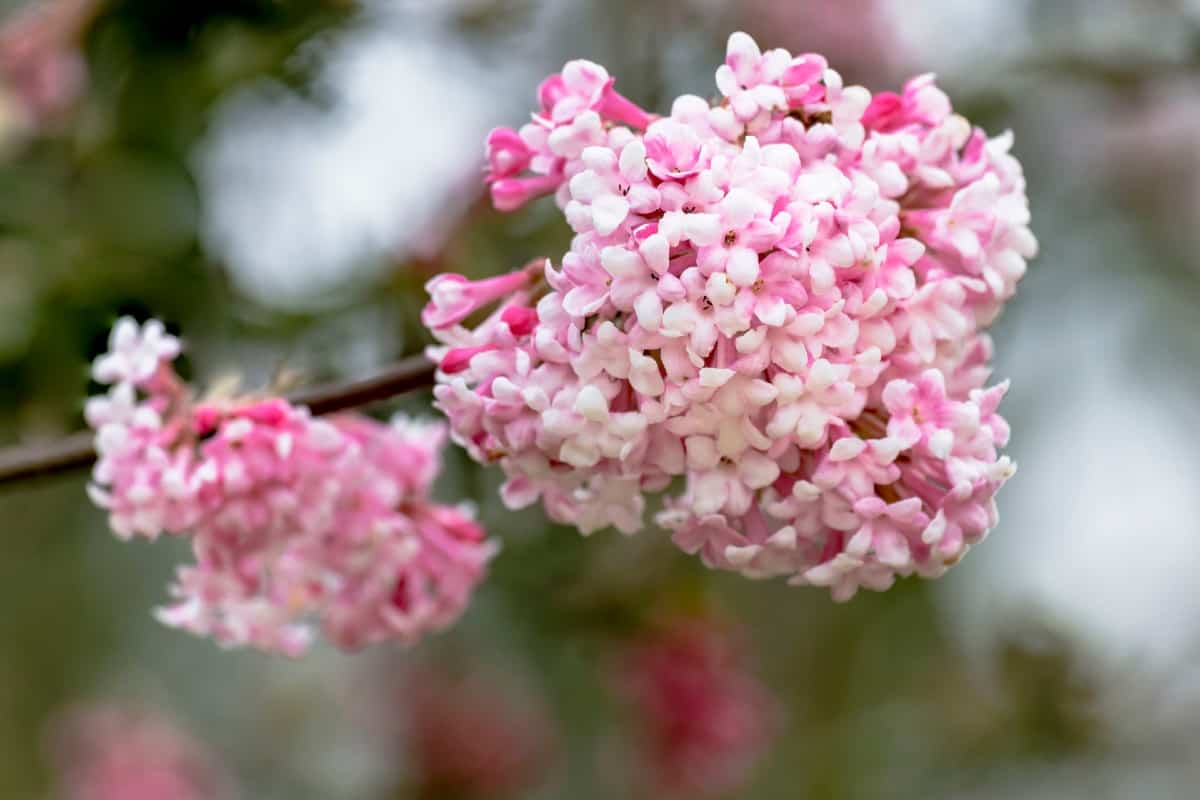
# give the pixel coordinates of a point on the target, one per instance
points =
(292, 519)
(104, 752)
(706, 719)
(779, 298)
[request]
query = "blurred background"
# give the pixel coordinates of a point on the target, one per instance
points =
(277, 178)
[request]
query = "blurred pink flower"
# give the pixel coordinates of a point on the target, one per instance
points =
(466, 737)
(705, 719)
(40, 60)
(1148, 152)
(105, 752)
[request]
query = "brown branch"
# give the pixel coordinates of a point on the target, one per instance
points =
(75, 451)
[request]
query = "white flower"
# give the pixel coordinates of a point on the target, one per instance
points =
(134, 352)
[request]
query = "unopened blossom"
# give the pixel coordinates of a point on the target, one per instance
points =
(703, 719)
(295, 522)
(112, 752)
(771, 322)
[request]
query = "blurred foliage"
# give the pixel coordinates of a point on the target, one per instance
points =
(99, 215)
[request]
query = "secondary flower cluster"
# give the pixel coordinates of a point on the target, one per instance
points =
(105, 752)
(706, 719)
(778, 297)
(292, 519)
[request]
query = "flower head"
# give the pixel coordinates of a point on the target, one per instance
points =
(705, 719)
(295, 522)
(777, 301)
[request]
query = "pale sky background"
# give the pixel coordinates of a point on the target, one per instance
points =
(302, 200)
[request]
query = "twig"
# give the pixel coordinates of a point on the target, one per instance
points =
(75, 451)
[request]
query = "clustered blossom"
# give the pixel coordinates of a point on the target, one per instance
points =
(108, 752)
(705, 718)
(780, 298)
(293, 520)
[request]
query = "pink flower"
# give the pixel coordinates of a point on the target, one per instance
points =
(454, 298)
(705, 720)
(749, 78)
(612, 185)
(577, 107)
(732, 236)
(674, 150)
(773, 314)
(112, 753)
(40, 59)
(698, 318)
(641, 280)
(466, 737)
(920, 412)
(586, 280)
(846, 105)
(507, 154)
(294, 521)
(585, 86)
(965, 227)
(922, 103)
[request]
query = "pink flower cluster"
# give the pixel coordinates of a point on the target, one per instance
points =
(292, 519)
(779, 298)
(112, 753)
(706, 719)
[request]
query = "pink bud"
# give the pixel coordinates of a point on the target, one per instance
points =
(521, 320)
(205, 419)
(459, 358)
(883, 113)
(509, 194)
(507, 154)
(616, 107)
(272, 411)
(550, 91)
(974, 151)
(457, 525)
(453, 297)
(802, 80)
